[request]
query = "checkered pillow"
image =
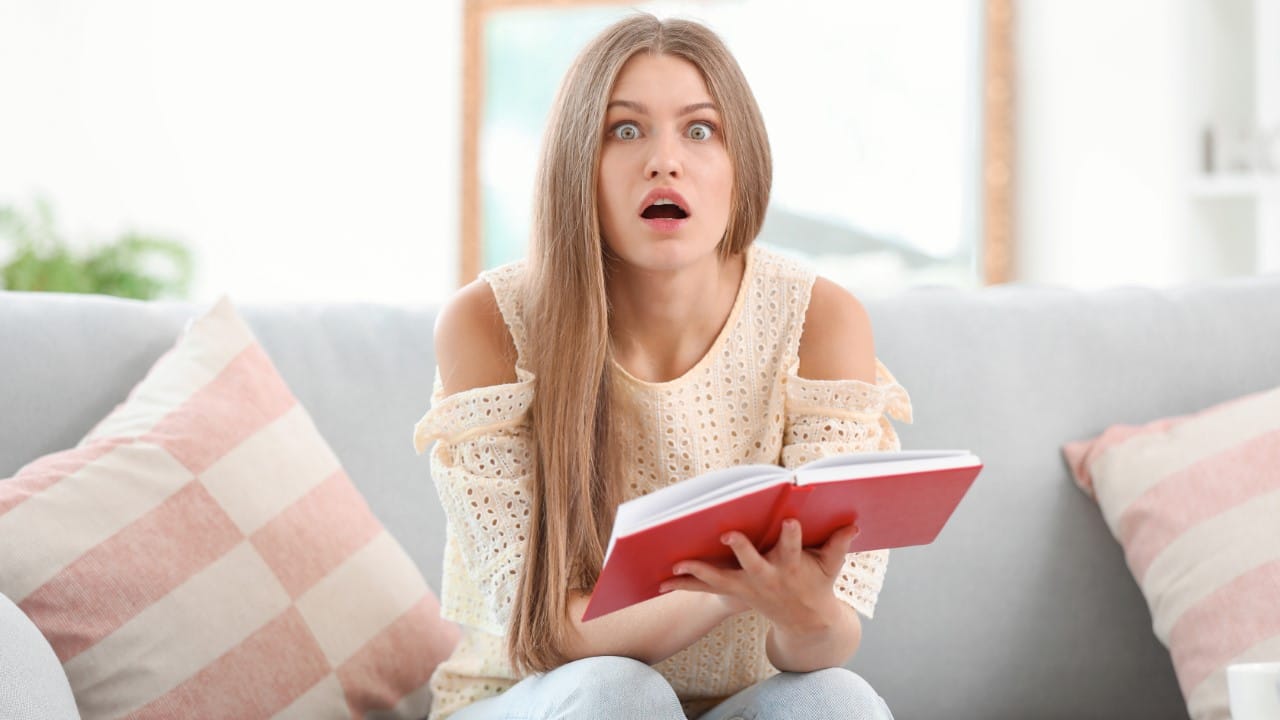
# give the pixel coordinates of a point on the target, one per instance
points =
(202, 553)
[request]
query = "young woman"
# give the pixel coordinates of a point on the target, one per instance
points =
(644, 341)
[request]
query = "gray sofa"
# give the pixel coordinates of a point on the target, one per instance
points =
(1023, 608)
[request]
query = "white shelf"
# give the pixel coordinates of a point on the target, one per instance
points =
(1235, 186)
(1234, 71)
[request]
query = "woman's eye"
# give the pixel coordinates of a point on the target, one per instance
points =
(626, 131)
(700, 131)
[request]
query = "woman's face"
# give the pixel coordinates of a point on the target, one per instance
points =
(665, 176)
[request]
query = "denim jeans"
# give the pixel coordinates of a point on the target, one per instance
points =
(618, 687)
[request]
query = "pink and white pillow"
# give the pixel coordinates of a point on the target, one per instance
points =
(202, 553)
(1195, 502)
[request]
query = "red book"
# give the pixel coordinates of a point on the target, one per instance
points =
(896, 499)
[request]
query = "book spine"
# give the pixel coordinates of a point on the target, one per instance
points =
(790, 505)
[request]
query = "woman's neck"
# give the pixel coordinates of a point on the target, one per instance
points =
(663, 323)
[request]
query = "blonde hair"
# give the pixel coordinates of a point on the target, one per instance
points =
(578, 482)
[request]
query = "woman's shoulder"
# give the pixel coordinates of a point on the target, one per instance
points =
(473, 347)
(837, 342)
(835, 333)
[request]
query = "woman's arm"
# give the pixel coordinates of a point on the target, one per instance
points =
(829, 641)
(837, 344)
(651, 631)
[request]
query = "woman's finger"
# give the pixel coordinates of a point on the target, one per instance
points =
(789, 541)
(748, 557)
(837, 547)
(705, 573)
(685, 582)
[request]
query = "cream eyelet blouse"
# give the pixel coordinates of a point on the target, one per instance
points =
(742, 403)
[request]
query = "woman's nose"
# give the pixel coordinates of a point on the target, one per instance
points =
(664, 158)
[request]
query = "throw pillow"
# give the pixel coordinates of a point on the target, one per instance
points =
(1195, 502)
(202, 553)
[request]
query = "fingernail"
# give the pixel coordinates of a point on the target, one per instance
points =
(678, 570)
(726, 538)
(662, 589)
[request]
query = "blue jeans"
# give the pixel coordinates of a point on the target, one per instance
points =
(622, 688)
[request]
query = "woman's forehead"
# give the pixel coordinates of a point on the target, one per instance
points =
(653, 81)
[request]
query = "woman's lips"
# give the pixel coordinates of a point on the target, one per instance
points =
(664, 225)
(664, 193)
(672, 203)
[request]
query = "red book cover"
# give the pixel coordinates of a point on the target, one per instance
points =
(896, 500)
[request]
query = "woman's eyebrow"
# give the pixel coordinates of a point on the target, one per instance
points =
(687, 109)
(640, 108)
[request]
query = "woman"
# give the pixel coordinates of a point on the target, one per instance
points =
(643, 342)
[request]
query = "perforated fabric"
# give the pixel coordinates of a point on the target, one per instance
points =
(743, 402)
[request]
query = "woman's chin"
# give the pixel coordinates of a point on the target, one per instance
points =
(666, 254)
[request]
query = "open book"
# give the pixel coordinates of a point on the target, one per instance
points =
(895, 498)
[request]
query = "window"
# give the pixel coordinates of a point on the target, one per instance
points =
(891, 163)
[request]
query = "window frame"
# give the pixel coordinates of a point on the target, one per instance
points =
(996, 197)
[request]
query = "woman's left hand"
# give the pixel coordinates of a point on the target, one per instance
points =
(789, 585)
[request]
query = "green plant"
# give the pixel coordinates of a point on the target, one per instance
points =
(134, 265)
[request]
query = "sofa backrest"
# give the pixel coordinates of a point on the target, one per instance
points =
(1022, 608)
(362, 371)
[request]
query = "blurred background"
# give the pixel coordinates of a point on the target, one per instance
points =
(280, 150)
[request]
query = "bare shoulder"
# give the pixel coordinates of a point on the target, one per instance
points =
(473, 347)
(837, 343)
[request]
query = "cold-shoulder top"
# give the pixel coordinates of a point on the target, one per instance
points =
(743, 402)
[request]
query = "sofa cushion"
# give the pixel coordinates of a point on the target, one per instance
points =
(201, 552)
(1194, 501)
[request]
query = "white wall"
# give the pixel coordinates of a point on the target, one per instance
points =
(305, 149)
(310, 150)
(1105, 144)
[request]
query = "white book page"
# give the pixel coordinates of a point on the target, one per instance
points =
(846, 467)
(706, 489)
(876, 457)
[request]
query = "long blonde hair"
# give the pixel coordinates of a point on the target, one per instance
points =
(578, 479)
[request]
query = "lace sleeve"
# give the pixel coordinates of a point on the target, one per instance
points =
(480, 464)
(830, 417)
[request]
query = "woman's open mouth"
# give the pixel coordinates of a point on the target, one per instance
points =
(664, 211)
(664, 208)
